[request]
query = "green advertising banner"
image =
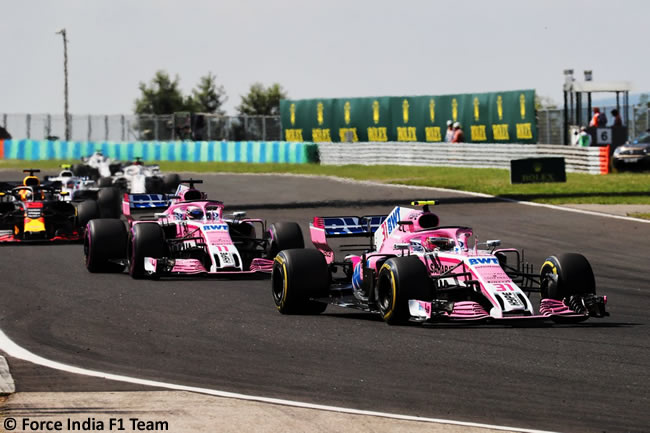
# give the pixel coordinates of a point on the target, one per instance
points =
(496, 117)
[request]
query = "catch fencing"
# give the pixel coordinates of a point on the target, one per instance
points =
(122, 127)
(593, 160)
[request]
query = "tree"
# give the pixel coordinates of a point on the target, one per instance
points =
(262, 101)
(207, 97)
(544, 102)
(161, 96)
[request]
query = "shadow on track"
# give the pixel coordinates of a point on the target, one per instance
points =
(361, 203)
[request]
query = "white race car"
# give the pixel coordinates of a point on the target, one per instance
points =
(138, 178)
(134, 178)
(96, 165)
(74, 188)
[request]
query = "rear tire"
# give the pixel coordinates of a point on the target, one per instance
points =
(109, 201)
(401, 279)
(79, 170)
(104, 182)
(146, 240)
(565, 275)
(284, 236)
(87, 210)
(153, 185)
(298, 275)
(171, 182)
(104, 240)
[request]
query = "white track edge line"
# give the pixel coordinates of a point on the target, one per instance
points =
(14, 350)
(433, 188)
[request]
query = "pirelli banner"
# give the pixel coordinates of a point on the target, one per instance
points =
(499, 117)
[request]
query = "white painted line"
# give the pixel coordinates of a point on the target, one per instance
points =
(12, 349)
(433, 188)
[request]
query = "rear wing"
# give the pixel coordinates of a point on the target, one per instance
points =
(145, 201)
(349, 226)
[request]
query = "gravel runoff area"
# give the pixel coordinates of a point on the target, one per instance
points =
(198, 413)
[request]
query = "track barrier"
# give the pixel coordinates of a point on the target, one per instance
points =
(593, 160)
(188, 151)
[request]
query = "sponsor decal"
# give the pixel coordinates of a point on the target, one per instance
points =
(511, 298)
(226, 258)
(390, 223)
(483, 261)
(215, 227)
(351, 225)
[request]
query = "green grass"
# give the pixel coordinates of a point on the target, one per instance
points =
(615, 188)
(645, 216)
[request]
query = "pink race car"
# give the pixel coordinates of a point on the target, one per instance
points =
(417, 270)
(191, 236)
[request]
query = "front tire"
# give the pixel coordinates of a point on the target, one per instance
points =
(104, 241)
(299, 275)
(401, 279)
(146, 240)
(565, 275)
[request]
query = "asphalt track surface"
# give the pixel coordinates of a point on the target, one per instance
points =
(226, 334)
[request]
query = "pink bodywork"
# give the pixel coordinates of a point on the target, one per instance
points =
(411, 231)
(218, 239)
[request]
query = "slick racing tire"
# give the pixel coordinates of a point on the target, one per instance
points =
(109, 201)
(105, 182)
(171, 182)
(299, 275)
(565, 275)
(154, 185)
(87, 210)
(401, 279)
(105, 241)
(284, 236)
(80, 170)
(145, 240)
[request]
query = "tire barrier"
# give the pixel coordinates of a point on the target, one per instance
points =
(187, 151)
(593, 160)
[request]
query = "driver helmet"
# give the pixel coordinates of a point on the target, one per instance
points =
(193, 213)
(25, 194)
(432, 243)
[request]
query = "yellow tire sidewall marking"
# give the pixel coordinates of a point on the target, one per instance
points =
(280, 261)
(394, 288)
(551, 264)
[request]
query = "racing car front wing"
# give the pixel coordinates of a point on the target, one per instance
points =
(166, 266)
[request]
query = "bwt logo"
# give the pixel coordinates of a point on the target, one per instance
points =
(484, 261)
(215, 227)
(392, 220)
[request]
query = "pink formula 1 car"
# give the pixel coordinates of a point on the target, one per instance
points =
(416, 270)
(191, 236)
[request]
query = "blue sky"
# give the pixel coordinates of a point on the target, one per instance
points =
(314, 49)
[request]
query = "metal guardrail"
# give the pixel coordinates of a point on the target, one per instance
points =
(592, 160)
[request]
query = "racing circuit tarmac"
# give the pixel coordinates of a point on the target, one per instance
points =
(226, 334)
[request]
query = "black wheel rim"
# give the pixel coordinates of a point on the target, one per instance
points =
(278, 284)
(384, 293)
